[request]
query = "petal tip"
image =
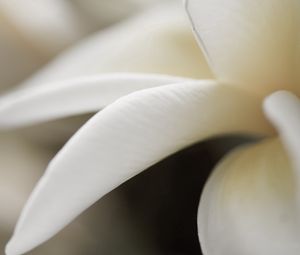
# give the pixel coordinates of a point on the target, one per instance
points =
(10, 248)
(17, 246)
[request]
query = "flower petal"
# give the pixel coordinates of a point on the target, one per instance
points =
(248, 205)
(23, 59)
(283, 110)
(78, 96)
(125, 138)
(47, 25)
(105, 12)
(20, 166)
(31, 32)
(250, 43)
(157, 41)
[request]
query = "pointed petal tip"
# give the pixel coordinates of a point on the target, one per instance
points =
(10, 248)
(18, 246)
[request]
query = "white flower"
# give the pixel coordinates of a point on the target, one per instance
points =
(250, 204)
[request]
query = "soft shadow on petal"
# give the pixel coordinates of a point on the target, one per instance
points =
(250, 43)
(157, 41)
(63, 99)
(125, 138)
(248, 205)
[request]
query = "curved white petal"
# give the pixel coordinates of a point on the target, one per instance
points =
(157, 41)
(78, 96)
(248, 205)
(125, 138)
(250, 43)
(283, 110)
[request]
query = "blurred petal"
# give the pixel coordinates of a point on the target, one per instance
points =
(31, 32)
(248, 205)
(157, 41)
(48, 25)
(104, 12)
(20, 167)
(17, 58)
(122, 140)
(250, 43)
(283, 110)
(73, 97)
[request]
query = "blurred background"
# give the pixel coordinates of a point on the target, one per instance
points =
(155, 212)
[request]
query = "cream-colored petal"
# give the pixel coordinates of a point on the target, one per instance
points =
(157, 41)
(125, 138)
(251, 43)
(248, 206)
(63, 99)
(283, 110)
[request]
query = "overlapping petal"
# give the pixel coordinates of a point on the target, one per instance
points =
(125, 138)
(250, 43)
(157, 41)
(63, 99)
(249, 204)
